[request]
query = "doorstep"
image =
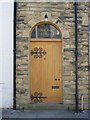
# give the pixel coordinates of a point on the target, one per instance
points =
(43, 106)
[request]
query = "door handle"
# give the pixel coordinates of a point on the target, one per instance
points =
(57, 79)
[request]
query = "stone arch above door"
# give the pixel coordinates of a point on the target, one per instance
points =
(53, 20)
(53, 29)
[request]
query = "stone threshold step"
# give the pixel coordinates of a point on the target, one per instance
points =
(44, 107)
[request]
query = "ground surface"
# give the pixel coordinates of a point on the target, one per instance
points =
(9, 113)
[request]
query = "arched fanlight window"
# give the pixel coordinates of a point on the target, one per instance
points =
(45, 31)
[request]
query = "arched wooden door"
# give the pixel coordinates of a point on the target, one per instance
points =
(45, 65)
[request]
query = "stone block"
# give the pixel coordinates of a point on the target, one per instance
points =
(84, 18)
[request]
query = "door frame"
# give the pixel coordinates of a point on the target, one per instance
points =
(60, 40)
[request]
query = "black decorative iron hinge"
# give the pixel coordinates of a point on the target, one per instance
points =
(38, 52)
(37, 97)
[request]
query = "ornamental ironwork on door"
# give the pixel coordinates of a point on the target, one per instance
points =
(38, 52)
(37, 97)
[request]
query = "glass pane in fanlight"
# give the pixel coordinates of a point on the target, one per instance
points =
(45, 31)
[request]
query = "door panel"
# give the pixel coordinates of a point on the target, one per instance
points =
(45, 72)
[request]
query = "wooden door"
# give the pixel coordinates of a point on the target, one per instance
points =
(46, 71)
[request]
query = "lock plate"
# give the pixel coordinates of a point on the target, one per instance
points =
(55, 87)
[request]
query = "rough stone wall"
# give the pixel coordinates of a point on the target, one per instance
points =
(83, 54)
(62, 14)
(89, 58)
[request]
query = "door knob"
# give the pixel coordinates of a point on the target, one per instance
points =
(57, 79)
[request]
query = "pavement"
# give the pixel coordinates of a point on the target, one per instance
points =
(7, 114)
